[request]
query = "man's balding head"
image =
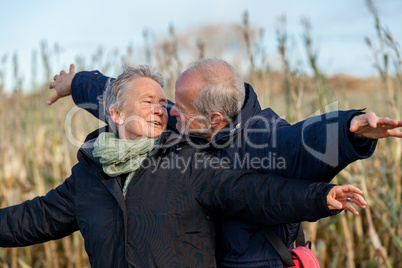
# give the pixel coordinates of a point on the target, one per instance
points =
(208, 95)
(222, 90)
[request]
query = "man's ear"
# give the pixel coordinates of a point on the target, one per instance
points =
(216, 119)
(117, 116)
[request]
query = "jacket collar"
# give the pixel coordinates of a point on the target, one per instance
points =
(88, 146)
(250, 108)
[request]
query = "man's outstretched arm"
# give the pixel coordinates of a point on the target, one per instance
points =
(85, 88)
(320, 147)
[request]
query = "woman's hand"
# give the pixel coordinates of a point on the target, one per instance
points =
(341, 197)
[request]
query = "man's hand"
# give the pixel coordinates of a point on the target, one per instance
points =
(371, 126)
(62, 84)
(340, 197)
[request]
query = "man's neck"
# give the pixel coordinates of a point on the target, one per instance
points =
(211, 132)
(215, 130)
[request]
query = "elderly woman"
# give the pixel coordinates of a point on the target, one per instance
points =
(135, 203)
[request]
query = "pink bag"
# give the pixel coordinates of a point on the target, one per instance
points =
(304, 257)
(299, 257)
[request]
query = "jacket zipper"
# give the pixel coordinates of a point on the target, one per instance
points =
(136, 174)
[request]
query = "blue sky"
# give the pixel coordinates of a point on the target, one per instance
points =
(79, 27)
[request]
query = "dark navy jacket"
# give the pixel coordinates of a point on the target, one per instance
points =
(166, 218)
(315, 149)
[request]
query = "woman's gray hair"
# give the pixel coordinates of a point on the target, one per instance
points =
(223, 90)
(116, 91)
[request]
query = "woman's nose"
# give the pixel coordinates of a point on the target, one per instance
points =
(157, 109)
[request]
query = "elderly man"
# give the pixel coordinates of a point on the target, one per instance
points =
(212, 101)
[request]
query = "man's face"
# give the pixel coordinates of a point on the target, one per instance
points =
(187, 89)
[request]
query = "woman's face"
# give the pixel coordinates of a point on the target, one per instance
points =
(144, 115)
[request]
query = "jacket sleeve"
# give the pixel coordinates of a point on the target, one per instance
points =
(314, 149)
(87, 87)
(39, 220)
(257, 198)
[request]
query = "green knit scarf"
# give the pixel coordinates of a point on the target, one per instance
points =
(119, 156)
